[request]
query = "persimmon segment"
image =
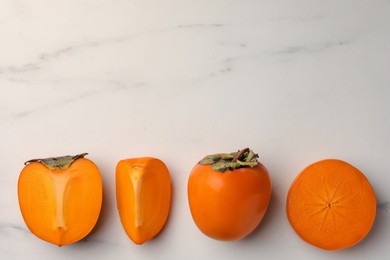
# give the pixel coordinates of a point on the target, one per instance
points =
(143, 192)
(331, 205)
(60, 206)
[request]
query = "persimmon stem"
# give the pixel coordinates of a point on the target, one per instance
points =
(239, 154)
(61, 162)
(240, 159)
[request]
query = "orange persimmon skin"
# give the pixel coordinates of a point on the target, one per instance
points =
(143, 192)
(331, 205)
(60, 206)
(228, 206)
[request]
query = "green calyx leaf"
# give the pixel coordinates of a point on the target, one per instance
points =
(231, 161)
(58, 163)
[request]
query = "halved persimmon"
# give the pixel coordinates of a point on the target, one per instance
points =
(60, 198)
(143, 192)
(331, 205)
(228, 194)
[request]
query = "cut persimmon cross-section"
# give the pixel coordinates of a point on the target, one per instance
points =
(331, 205)
(60, 197)
(143, 192)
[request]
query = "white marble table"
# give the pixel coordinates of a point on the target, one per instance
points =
(297, 81)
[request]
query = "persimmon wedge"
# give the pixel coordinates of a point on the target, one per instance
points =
(60, 198)
(331, 205)
(228, 194)
(143, 192)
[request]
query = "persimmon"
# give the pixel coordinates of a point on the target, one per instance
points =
(331, 205)
(143, 192)
(60, 198)
(228, 194)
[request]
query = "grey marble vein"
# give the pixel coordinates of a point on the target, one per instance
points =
(284, 53)
(28, 67)
(111, 86)
(67, 50)
(291, 50)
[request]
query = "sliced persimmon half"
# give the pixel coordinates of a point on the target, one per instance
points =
(60, 198)
(331, 205)
(143, 192)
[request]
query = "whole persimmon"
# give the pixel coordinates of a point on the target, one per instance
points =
(228, 194)
(60, 197)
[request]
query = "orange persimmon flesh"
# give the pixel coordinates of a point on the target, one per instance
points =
(331, 205)
(143, 192)
(60, 206)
